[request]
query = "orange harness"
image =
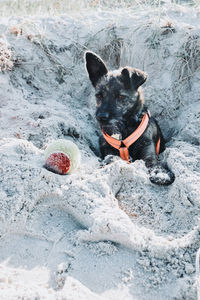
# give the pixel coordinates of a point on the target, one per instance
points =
(124, 153)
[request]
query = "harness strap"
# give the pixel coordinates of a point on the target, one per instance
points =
(158, 146)
(138, 132)
(112, 141)
(124, 153)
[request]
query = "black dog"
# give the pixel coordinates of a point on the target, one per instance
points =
(120, 112)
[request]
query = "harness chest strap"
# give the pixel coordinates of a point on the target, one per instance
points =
(124, 153)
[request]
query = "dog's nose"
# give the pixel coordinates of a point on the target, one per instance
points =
(102, 116)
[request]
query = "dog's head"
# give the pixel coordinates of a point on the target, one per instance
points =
(116, 92)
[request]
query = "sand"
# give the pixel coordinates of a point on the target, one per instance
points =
(105, 231)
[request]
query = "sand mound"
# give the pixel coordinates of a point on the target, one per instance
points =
(104, 232)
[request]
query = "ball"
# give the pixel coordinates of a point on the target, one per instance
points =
(62, 157)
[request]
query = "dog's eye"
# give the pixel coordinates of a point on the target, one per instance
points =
(99, 96)
(121, 97)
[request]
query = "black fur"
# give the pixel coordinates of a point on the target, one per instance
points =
(119, 111)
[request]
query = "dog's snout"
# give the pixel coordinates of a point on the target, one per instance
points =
(102, 116)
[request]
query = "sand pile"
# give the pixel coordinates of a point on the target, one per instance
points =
(104, 232)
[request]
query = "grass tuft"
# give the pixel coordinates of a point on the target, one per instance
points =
(6, 62)
(189, 58)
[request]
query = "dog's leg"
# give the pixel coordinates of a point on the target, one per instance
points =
(159, 172)
(108, 154)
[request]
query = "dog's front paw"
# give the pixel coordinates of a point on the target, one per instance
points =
(161, 176)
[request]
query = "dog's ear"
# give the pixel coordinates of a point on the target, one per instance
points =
(138, 77)
(95, 67)
(133, 78)
(126, 78)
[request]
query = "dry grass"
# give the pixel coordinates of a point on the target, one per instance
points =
(6, 62)
(189, 58)
(186, 66)
(28, 29)
(55, 7)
